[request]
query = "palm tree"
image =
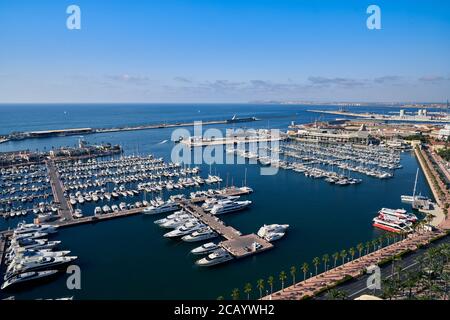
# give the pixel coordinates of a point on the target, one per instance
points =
(335, 257)
(293, 271)
(395, 258)
(360, 248)
(248, 290)
(305, 268)
(374, 243)
(367, 247)
(334, 294)
(270, 281)
(380, 241)
(325, 259)
(343, 255)
(260, 286)
(352, 252)
(220, 298)
(283, 278)
(316, 262)
(235, 294)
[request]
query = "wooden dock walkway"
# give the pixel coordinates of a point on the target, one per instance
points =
(65, 209)
(236, 244)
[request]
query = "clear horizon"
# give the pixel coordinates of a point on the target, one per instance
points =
(198, 51)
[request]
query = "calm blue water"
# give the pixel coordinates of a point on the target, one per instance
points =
(129, 259)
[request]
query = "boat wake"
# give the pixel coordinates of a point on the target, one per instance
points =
(162, 142)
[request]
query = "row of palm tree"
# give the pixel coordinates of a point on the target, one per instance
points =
(430, 280)
(339, 256)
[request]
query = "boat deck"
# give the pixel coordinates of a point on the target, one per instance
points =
(242, 246)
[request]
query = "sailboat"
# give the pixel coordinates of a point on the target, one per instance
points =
(413, 198)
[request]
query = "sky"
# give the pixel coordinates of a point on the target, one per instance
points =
(224, 51)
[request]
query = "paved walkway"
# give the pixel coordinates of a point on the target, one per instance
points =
(354, 268)
(65, 209)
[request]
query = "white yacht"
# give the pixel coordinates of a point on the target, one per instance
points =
(27, 276)
(168, 206)
(31, 227)
(31, 235)
(184, 229)
(97, 210)
(266, 229)
(216, 257)
(205, 248)
(40, 263)
(199, 235)
(122, 206)
(177, 222)
(229, 206)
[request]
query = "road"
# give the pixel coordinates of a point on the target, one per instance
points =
(357, 287)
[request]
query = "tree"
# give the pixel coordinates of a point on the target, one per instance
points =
(270, 281)
(293, 271)
(360, 248)
(381, 241)
(248, 290)
(316, 262)
(305, 268)
(374, 243)
(343, 255)
(367, 247)
(325, 259)
(395, 258)
(335, 257)
(220, 298)
(283, 278)
(334, 294)
(352, 252)
(260, 286)
(235, 294)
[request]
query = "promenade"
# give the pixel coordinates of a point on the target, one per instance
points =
(355, 268)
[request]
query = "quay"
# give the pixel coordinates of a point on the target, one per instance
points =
(324, 281)
(2, 248)
(228, 141)
(65, 209)
(236, 244)
(382, 117)
(86, 131)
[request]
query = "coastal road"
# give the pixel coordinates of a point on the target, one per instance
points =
(65, 210)
(357, 287)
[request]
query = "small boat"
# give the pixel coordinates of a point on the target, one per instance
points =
(205, 248)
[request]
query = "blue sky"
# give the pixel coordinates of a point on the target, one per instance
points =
(224, 51)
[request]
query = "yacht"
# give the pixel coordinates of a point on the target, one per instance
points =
(122, 206)
(27, 276)
(185, 229)
(398, 213)
(216, 257)
(37, 244)
(272, 228)
(106, 209)
(177, 222)
(391, 226)
(97, 210)
(40, 263)
(205, 248)
(199, 235)
(78, 214)
(31, 227)
(31, 235)
(168, 206)
(229, 206)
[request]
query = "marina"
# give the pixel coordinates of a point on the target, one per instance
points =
(122, 183)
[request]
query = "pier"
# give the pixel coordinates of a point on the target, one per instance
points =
(2, 248)
(236, 244)
(65, 209)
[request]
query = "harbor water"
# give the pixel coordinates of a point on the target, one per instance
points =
(128, 258)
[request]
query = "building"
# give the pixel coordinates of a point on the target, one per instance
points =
(332, 135)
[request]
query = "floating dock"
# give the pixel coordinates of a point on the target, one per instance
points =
(238, 245)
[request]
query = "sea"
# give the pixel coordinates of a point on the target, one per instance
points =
(128, 258)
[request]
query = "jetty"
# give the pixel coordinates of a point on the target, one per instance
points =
(65, 209)
(236, 244)
(85, 131)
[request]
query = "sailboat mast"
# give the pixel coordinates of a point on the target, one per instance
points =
(415, 184)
